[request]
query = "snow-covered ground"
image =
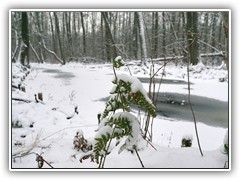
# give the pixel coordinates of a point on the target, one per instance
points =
(46, 129)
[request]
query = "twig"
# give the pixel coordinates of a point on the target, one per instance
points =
(101, 165)
(23, 100)
(41, 161)
(148, 141)
(65, 129)
(51, 52)
(189, 92)
(190, 104)
(22, 153)
(138, 156)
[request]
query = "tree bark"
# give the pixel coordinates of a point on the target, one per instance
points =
(69, 33)
(24, 57)
(35, 53)
(155, 46)
(214, 24)
(84, 35)
(59, 39)
(53, 53)
(206, 39)
(93, 50)
(192, 35)
(143, 39)
(110, 45)
(135, 35)
(40, 39)
(102, 37)
(225, 17)
(17, 47)
(164, 50)
(53, 34)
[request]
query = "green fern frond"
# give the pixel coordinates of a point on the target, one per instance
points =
(118, 126)
(127, 90)
(123, 96)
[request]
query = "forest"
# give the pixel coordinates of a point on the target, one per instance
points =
(61, 37)
(120, 89)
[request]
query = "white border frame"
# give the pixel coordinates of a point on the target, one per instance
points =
(127, 169)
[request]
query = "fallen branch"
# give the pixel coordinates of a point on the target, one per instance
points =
(16, 87)
(22, 100)
(169, 58)
(27, 150)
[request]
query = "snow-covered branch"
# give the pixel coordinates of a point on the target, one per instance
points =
(34, 51)
(53, 53)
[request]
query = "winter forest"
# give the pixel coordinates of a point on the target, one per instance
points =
(119, 89)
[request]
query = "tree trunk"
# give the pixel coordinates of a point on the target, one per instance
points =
(155, 44)
(69, 33)
(206, 39)
(214, 24)
(143, 39)
(225, 17)
(84, 35)
(135, 35)
(102, 37)
(192, 20)
(35, 53)
(40, 39)
(164, 50)
(59, 39)
(110, 45)
(93, 50)
(24, 57)
(53, 34)
(17, 47)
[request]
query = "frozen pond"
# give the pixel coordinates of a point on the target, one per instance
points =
(65, 76)
(208, 111)
(174, 106)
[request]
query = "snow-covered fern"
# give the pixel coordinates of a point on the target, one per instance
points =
(127, 90)
(121, 124)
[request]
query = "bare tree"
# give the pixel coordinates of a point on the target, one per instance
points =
(53, 33)
(24, 56)
(225, 17)
(59, 38)
(39, 35)
(84, 34)
(164, 43)
(135, 41)
(103, 34)
(143, 39)
(192, 35)
(110, 45)
(94, 26)
(69, 33)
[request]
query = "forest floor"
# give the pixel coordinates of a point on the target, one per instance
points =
(44, 128)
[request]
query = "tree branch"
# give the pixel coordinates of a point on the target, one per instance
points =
(23, 100)
(34, 51)
(53, 53)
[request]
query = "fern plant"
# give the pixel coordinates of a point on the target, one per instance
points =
(126, 91)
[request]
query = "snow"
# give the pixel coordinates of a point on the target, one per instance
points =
(187, 136)
(136, 85)
(133, 138)
(46, 129)
(119, 59)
